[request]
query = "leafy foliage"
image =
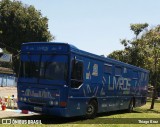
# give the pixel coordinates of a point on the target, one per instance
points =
(143, 52)
(153, 42)
(21, 23)
(138, 28)
(120, 55)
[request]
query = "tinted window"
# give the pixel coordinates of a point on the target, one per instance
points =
(77, 73)
(77, 70)
(118, 71)
(45, 70)
(53, 70)
(29, 69)
(108, 68)
(52, 67)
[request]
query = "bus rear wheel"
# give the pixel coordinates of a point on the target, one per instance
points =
(91, 111)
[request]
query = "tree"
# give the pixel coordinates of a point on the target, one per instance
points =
(143, 52)
(137, 46)
(153, 41)
(138, 28)
(134, 52)
(21, 23)
(120, 55)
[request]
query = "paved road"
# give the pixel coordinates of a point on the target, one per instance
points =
(13, 113)
(45, 119)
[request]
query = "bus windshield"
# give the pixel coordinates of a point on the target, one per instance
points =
(53, 70)
(47, 67)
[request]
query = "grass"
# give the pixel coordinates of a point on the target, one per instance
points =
(121, 116)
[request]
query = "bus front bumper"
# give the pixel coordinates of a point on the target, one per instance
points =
(49, 110)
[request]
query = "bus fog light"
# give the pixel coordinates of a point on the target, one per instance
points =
(56, 103)
(51, 102)
(25, 99)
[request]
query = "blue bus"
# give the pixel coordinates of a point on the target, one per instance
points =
(62, 80)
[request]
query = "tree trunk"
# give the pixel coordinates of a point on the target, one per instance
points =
(154, 90)
(153, 98)
(155, 77)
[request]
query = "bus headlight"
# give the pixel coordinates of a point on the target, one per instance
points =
(21, 99)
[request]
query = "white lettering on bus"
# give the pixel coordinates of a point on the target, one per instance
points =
(119, 83)
(43, 93)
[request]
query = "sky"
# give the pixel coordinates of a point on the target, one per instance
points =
(96, 26)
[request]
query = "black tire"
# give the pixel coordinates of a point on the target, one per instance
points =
(91, 110)
(131, 106)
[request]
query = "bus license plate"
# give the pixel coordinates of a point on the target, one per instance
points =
(37, 109)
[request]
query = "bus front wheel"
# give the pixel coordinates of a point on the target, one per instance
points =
(92, 108)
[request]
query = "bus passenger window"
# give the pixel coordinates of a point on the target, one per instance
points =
(118, 71)
(76, 74)
(108, 68)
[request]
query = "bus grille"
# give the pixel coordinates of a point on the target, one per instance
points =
(39, 101)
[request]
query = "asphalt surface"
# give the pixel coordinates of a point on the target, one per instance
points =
(8, 92)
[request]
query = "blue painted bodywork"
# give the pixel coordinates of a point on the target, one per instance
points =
(112, 83)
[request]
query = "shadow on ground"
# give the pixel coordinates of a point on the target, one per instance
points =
(47, 119)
